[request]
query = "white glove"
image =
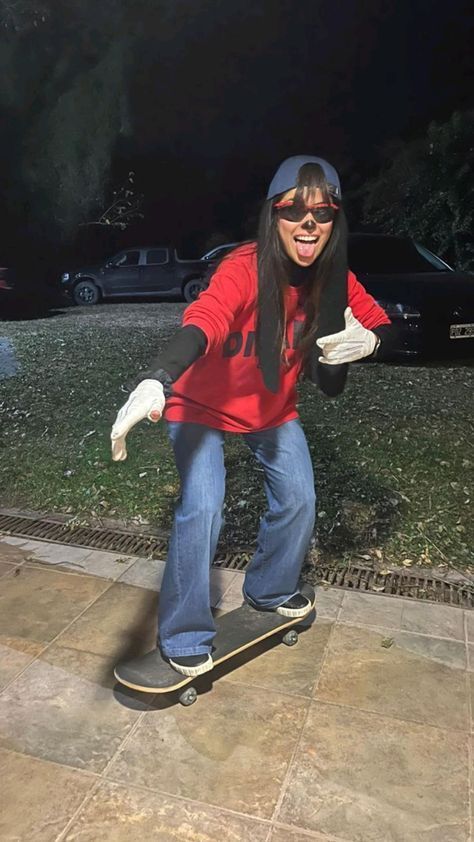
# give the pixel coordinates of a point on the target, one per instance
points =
(353, 343)
(146, 401)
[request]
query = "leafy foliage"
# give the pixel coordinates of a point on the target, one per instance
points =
(124, 208)
(69, 150)
(20, 15)
(425, 189)
(64, 98)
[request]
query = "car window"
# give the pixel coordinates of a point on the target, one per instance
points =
(435, 261)
(219, 251)
(128, 258)
(388, 256)
(157, 256)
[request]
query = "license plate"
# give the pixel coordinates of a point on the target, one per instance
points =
(461, 331)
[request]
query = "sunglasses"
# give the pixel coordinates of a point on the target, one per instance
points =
(296, 211)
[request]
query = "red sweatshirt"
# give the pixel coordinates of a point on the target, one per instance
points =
(224, 388)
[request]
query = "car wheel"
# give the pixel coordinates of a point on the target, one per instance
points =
(86, 292)
(193, 287)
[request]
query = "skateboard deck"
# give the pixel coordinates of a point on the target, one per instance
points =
(235, 631)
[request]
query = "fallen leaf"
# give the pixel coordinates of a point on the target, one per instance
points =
(387, 642)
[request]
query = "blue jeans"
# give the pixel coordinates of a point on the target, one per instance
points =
(186, 625)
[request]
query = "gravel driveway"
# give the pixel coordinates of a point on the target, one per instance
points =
(157, 315)
(159, 318)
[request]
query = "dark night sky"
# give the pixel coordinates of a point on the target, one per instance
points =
(222, 93)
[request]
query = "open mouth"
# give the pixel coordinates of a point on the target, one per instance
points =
(306, 245)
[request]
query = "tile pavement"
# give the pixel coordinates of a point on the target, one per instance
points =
(361, 733)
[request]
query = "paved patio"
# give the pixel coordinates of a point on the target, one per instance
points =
(361, 733)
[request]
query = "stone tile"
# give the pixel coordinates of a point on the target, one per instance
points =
(104, 564)
(367, 778)
(287, 834)
(469, 620)
(276, 667)
(6, 567)
(235, 589)
(11, 539)
(435, 620)
(62, 708)
(145, 573)
(229, 602)
(451, 653)
(30, 545)
(371, 610)
(15, 655)
(60, 554)
(120, 624)
(328, 602)
(470, 682)
(470, 654)
(13, 553)
(230, 749)
(37, 604)
(38, 798)
(410, 679)
(117, 814)
(221, 582)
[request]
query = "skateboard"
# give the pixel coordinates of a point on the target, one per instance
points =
(235, 631)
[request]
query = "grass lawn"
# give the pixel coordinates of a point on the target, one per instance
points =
(393, 456)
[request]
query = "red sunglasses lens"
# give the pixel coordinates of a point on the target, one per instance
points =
(296, 211)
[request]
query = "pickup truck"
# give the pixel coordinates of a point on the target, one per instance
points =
(136, 273)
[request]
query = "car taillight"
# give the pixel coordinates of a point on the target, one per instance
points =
(397, 310)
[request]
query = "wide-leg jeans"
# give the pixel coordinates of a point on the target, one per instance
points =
(186, 625)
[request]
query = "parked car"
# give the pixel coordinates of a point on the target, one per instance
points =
(136, 272)
(218, 252)
(7, 292)
(213, 257)
(5, 279)
(430, 304)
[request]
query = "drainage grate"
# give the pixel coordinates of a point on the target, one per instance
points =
(98, 538)
(414, 585)
(404, 584)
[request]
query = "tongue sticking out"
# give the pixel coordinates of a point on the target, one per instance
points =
(305, 249)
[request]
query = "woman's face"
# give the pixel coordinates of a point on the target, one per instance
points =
(305, 240)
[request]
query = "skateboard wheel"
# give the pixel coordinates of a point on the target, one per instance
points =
(290, 638)
(188, 696)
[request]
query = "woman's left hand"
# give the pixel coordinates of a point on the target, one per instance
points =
(353, 343)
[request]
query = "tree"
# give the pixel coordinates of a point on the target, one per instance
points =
(424, 190)
(64, 103)
(69, 147)
(124, 207)
(19, 15)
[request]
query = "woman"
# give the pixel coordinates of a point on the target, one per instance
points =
(274, 310)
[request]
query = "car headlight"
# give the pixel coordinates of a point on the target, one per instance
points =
(400, 311)
(65, 277)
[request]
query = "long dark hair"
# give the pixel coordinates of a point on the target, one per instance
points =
(275, 269)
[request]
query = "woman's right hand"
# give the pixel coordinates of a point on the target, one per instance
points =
(146, 401)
